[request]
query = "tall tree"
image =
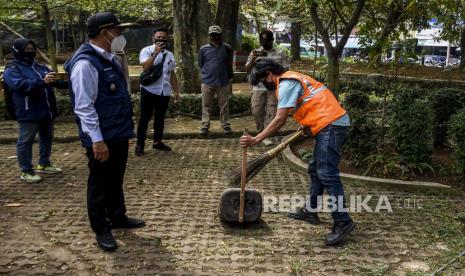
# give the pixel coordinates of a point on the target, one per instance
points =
(338, 10)
(45, 14)
(191, 21)
(259, 10)
(386, 21)
(296, 33)
(227, 15)
(451, 14)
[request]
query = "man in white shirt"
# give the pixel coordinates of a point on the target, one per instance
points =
(103, 110)
(155, 97)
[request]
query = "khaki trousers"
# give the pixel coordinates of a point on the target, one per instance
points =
(264, 105)
(208, 94)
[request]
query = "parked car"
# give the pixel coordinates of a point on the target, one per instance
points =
(435, 61)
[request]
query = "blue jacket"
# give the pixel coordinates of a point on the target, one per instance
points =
(32, 98)
(113, 104)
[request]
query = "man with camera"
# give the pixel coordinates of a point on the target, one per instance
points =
(264, 101)
(155, 96)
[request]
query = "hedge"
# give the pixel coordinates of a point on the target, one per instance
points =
(189, 104)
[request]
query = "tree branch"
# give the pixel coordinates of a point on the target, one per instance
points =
(338, 12)
(350, 25)
(320, 28)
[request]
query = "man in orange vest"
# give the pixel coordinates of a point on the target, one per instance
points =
(314, 106)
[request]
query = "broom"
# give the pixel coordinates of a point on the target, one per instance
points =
(256, 165)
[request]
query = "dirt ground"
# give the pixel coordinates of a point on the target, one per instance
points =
(44, 228)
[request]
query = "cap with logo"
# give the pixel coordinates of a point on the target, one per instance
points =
(214, 30)
(103, 20)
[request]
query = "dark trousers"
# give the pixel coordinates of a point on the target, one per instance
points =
(105, 197)
(151, 104)
(324, 169)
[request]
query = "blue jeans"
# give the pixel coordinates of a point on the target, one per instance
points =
(27, 134)
(324, 169)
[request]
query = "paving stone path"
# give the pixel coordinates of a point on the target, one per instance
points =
(44, 227)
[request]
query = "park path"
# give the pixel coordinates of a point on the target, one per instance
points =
(44, 227)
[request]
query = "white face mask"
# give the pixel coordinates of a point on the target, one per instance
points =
(118, 43)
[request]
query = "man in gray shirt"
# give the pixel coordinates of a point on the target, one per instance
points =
(215, 62)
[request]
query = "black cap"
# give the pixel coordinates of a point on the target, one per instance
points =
(103, 20)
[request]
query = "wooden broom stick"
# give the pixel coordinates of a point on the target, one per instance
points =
(243, 181)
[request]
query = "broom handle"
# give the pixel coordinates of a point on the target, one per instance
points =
(243, 181)
(273, 152)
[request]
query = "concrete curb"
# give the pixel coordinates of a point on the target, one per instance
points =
(298, 165)
(166, 136)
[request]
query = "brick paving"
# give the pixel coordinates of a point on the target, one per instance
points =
(180, 125)
(178, 193)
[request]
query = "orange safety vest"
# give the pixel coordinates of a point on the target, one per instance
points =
(317, 107)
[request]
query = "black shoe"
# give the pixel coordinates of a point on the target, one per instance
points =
(227, 130)
(128, 223)
(161, 146)
(204, 131)
(339, 232)
(305, 215)
(106, 241)
(139, 150)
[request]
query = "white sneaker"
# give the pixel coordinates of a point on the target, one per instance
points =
(30, 177)
(267, 142)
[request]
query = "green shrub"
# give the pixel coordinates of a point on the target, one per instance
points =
(457, 136)
(361, 137)
(249, 42)
(390, 164)
(188, 104)
(133, 57)
(64, 107)
(192, 104)
(3, 112)
(444, 102)
(410, 125)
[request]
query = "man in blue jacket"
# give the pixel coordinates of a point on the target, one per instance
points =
(100, 99)
(31, 85)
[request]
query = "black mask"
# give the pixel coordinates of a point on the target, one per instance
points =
(215, 37)
(19, 47)
(164, 42)
(161, 41)
(267, 46)
(28, 57)
(269, 85)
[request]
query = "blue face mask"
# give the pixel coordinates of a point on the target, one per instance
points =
(269, 85)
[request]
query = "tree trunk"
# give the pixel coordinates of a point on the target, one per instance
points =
(227, 14)
(333, 72)
(316, 53)
(49, 34)
(82, 27)
(296, 32)
(257, 23)
(462, 49)
(395, 12)
(191, 21)
(72, 29)
(334, 52)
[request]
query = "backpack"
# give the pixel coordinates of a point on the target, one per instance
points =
(8, 94)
